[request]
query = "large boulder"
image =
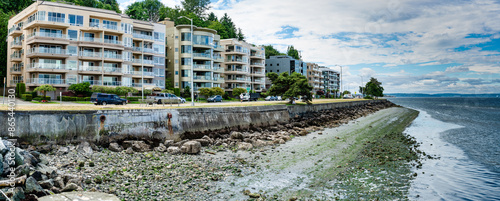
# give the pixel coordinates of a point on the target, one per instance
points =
(191, 147)
(160, 148)
(244, 146)
(115, 147)
(85, 148)
(259, 143)
(236, 135)
(138, 146)
(70, 187)
(32, 187)
(174, 150)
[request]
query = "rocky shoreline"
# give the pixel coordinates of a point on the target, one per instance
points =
(184, 170)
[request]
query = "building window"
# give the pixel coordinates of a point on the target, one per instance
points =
(176, 73)
(57, 17)
(185, 73)
(278, 71)
(186, 49)
(94, 22)
(176, 49)
(270, 64)
(75, 20)
(278, 64)
(73, 34)
(186, 37)
(185, 61)
(73, 50)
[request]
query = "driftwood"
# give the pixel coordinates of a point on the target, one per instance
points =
(7, 183)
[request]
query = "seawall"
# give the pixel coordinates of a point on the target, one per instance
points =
(106, 125)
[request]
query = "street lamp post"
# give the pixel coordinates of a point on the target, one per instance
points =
(361, 84)
(192, 68)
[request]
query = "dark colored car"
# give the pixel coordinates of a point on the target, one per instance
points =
(104, 99)
(216, 98)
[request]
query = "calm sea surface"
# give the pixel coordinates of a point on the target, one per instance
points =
(465, 134)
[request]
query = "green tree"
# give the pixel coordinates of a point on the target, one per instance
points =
(291, 51)
(205, 92)
(212, 17)
(374, 88)
(4, 20)
(168, 84)
(238, 91)
(229, 26)
(289, 86)
(44, 88)
(346, 92)
(125, 90)
(187, 92)
(80, 88)
(148, 10)
(217, 91)
(221, 30)
(168, 91)
(240, 35)
(270, 51)
(197, 7)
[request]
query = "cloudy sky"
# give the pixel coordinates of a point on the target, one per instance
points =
(418, 46)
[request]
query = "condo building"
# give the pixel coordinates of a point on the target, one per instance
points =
(244, 65)
(63, 44)
(283, 63)
(330, 79)
(203, 47)
(314, 76)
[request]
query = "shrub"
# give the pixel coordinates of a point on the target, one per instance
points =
(80, 88)
(80, 98)
(20, 89)
(168, 91)
(27, 97)
(34, 94)
(40, 98)
(134, 98)
(216, 91)
(368, 97)
(177, 91)
(238, 91)
(226, 96)
(86, 99)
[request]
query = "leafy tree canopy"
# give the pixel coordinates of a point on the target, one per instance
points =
(374, 88)
(197, 7)
(270, 51)
(148, 10)
(291, 51)
(44, 88)
(289, 86)
(80, 88)
(238, 91)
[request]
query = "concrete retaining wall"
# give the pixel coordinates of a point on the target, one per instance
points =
(63, 126)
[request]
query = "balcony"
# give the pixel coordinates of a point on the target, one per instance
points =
(112, 69)
(90, 55)
(15, 70)
(207, 78)
(113, 42)
(257, 64)
(111, 83)
(239, 79)
(137, 49)
(16, 44)
(92, 82)
(260, 56)
(42, 81)
(202, 55)
(218, 69)
(91, 40)
(218, 79)
(148, 50)
(47, 67)
(202, 66)
(218, 48)
(142, 36)
(48, 22)
(238, 51)
(236, 70)
(14, 82)
(259, 81)
(236, 60)
(91, 69)
(16, 56)
(136, 85)
(47, 52)
(15, 31)
(111, 56)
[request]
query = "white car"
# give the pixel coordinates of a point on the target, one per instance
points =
(279, 98)
(182, 99)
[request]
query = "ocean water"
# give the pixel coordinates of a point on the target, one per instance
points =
(465, 134)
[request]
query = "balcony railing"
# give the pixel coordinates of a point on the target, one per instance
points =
(234, 60)
(16, 43)
(257, 55)
(91, 54)
(236, 69)
(15, 55)
(201, 78)
(110, 26)
(111, 83)
(139, 49)
(57, 19)
(13, 82)
(112, 56)
(202, 55)
(48, 35)
(217, 68)
(116, 42)
(90, 39)
(218, 79)
(45, 81)
(14, 28)
(91, 68)
(258, 72)
(149, 50)
(47, 50)
(258, 81)
(202, 66)
(112, 69)
(257, 63)
(92, 82)
(47, 66)
(15, 69)
(142, 36)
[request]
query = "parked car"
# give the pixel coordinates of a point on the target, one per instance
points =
(268, 98)
(250, 96)
(216, 98)
(278, 98)
(104, 99)
(166, 98)
(182, 99)
(348, 96)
